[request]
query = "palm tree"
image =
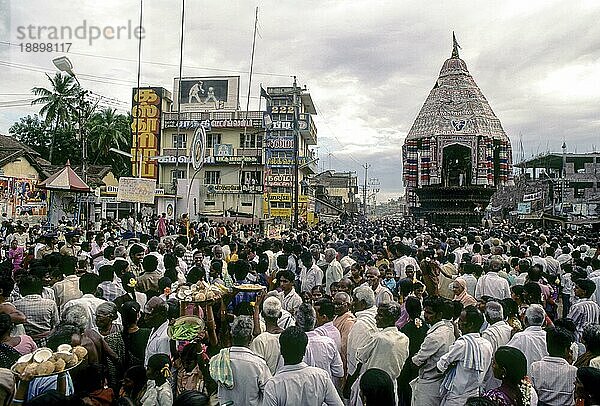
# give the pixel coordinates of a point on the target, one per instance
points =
(59, 103)
(108, 129)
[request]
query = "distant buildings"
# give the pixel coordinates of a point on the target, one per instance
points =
(247, 157)
(335, 193)
(560, 187)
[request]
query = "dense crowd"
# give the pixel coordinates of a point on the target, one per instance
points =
(383, 312)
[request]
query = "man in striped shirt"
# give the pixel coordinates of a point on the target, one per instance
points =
(585, 310)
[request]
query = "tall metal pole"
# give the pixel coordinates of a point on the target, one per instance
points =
(296, 147)
(177, 137)
(237, 211)
(366, 166)
(137, 115)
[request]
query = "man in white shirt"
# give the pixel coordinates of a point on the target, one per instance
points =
(470, 357)
(153, 250)
(334, 270)
(156, 310)
(266, 344)
(365, 327)
(498, 331)
(321, 351)
(97, 250)
(388, 350)
(297, 383)
(249, 372)
(532, 340)
(535, 251)
(291, 300)
(382, 294)
(491, 284)
(404, 260)
(440, 337)
(552, 265)
(584, 311)
(553, 377)
(312, 275)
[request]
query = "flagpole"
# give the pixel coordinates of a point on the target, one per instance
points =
(243, 146)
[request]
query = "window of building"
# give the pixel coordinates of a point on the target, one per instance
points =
(177, 174)
(251, 177)
(207, 203)
(179, 140)
(251, 140)
(212, 177)
(212, 139)
(246, 204)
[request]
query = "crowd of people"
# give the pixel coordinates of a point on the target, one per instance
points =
(381, 312)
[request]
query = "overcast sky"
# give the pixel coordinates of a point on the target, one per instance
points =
(369, 65)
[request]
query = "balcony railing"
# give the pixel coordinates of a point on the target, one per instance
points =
(217, 119)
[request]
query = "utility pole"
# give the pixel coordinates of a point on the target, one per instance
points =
(178, 138)
(366, 166)
(374, 185)
(296, 106)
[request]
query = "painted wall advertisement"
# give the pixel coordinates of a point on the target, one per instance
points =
(20, 197)
(145, 129)
(208, 93)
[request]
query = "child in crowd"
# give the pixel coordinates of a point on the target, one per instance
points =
(158, 389)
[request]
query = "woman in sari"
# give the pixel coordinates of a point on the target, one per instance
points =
(459, 286)
(510, 366)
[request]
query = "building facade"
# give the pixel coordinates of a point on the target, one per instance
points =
(290, 130)
(231, 179)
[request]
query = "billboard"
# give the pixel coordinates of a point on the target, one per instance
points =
(136, 190)
(145, 130)
(208, 93)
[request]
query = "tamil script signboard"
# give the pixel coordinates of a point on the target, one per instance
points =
(279, 180)
(136, 190)
(145, 130)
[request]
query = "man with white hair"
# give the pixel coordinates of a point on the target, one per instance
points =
(365, 326)
(321, 351)
(491, 284)
(532, 340)
(382, 293)
(266, 344)
(239, 372)
(285, 320)
(334, 270)
(498, 332)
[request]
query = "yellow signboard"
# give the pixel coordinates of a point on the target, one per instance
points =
(279, 212)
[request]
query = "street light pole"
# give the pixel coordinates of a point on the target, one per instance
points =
(63, 64)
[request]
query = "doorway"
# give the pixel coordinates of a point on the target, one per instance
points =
(456, 166)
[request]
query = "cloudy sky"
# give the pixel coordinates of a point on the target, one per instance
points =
(369, 65)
